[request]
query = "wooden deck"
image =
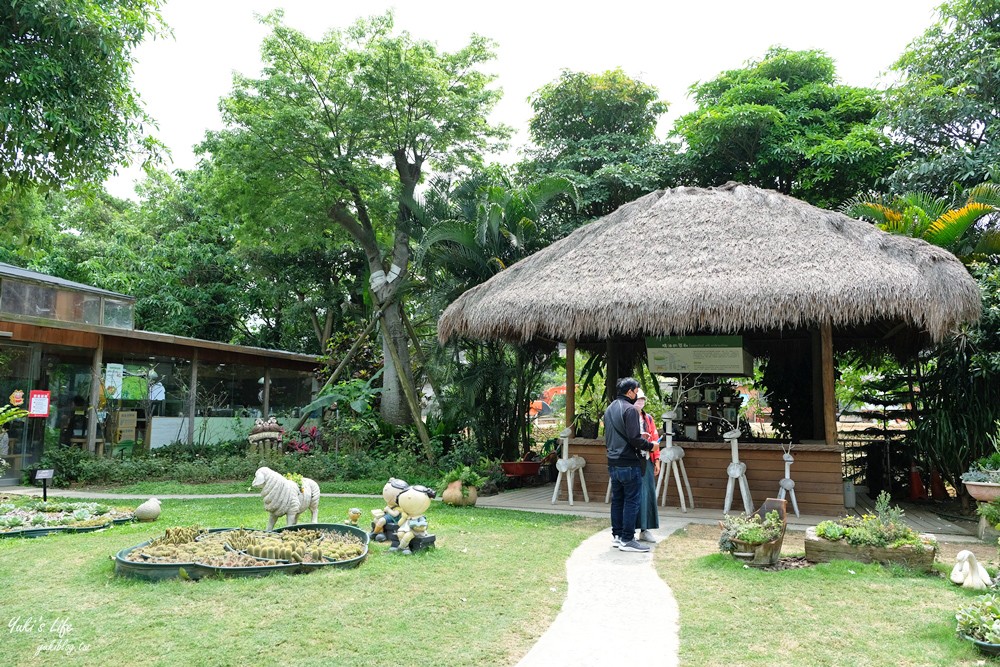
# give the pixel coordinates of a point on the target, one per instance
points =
(539, 499)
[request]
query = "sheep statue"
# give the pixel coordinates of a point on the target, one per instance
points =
(284, 497)
(969, 573)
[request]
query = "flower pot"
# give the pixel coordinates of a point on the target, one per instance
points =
(985, 648)
(822, 550)
(759, 555)
(983, 491)
(453, 495)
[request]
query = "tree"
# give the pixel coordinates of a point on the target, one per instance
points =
(599, 131)
(965, 226)
(946, 109)
(783, 123)
(68, 112)
(347, 124)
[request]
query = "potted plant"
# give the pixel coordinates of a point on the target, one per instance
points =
(589, 412)
(461, 486)
(979, 622)
(756, 538)
(982, 480)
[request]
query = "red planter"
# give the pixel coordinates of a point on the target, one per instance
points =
(521, 468)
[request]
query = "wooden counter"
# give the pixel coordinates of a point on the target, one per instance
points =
(817, 471)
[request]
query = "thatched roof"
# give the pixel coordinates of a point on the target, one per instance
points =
(721, 260)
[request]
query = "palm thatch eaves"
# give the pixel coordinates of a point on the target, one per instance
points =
(719, 260)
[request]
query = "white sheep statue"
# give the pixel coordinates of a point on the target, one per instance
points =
(283, 497)
(969, 573)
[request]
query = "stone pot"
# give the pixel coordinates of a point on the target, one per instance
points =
(453, 495)
(983, 491)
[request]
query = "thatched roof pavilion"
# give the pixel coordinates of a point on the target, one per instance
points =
(723, 260)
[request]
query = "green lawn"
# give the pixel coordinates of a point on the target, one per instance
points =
(837, 614)
(482, 598)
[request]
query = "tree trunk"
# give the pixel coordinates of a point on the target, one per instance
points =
(394, 407)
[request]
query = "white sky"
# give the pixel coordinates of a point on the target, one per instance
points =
(665, 43)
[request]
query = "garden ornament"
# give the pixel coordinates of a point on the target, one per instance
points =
(148, 511)
(353, 515)
(265, 435)
(391, 513)
(673, 456)
(283, 497)
(413, 502)
(969, 573)
(787, 484)
(737, 471)
(568, 466)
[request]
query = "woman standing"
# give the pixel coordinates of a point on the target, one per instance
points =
(649, 517)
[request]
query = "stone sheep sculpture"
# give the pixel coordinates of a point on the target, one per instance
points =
(283, 497)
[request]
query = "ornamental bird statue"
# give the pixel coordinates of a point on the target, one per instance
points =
(969, 573)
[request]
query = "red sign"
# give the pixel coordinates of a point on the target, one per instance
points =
(38, 403)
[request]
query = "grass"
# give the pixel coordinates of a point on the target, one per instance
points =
(483, 597)
(840, 613)
(359, 486)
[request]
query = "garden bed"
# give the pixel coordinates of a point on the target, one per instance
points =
(36, 518)
(917, 557)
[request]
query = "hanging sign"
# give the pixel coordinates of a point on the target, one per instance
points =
(38, 403)
(114, 378)
(723, 355)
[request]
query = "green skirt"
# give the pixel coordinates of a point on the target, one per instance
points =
(648, 517)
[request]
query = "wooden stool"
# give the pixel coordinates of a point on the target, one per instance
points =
(673, 457)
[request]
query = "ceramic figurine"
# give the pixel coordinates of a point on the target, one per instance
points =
(283, 497)
(969, 573)
(391, 513)
(353, 515)
(413, 502)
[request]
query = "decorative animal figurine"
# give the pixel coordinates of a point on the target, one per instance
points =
(353, 515)
(969, 573)
(414, 502)
(391, 513)
(148, 511)
(283, 497)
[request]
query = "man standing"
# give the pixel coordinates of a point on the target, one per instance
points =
(623, 439)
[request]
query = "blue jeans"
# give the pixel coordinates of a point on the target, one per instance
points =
(626, 482)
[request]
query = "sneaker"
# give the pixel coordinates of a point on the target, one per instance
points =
(632, 545)
(646, 536)
(615, 541)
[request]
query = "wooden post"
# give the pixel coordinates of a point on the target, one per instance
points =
(611, 370)
(265, 408)
(192, 396)
(829, 397)
(95, 394)
(570, 382)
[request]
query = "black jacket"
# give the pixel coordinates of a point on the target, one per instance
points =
(622, 434)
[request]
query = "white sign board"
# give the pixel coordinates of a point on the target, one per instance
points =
(114, 376)
(723, 355)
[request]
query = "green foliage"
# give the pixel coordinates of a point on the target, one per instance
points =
(67, 105)
(991, 511)
(980, 619)
(885, 528)
(945, 106)
(751, 529)
(783, 123)
(598, 130)
(464, 474)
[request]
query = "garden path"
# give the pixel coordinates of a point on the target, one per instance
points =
(611, 596)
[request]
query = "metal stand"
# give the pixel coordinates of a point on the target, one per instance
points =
(787, 484)
(737, 471)
(673, 457)
(568, 468)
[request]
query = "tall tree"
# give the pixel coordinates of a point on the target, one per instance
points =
(784, 123)
(599, 130)
(947, 106)
(68, 111)
(348, 123)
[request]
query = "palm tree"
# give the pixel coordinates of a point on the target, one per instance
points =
(966, 226)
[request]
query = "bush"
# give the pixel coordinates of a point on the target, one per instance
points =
(885, 528)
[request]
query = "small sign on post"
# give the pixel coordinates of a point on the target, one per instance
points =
(45, 476)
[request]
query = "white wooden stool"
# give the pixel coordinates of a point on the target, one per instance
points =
(568, 468)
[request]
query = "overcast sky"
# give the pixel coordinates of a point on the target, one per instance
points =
(665, 43)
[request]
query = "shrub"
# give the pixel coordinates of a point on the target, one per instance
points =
(885, 528)
(750, 529)
(980, 619)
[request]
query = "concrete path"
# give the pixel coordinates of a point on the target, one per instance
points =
(611, 596)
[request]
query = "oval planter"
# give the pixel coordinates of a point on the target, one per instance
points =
(336, 528)
(985, 648)
(521, 468)
(152, 571)
(983, 491)
(820, 550)
(458, 496)
(263, 570)
(88, 529)
(34, 532)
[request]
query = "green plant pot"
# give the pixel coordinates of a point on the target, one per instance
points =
(263, 570)
(985, 648)
(88, 529)
(335, 528)
(152, 571)
(34, 532)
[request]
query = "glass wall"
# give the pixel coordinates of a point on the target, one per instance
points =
(20, 440)
(290, 392)
(64, 305)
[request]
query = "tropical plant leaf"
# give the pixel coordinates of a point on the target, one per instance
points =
(949, 227)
